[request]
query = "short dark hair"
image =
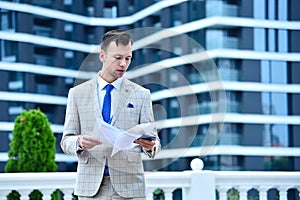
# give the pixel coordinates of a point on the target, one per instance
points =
(118, 36)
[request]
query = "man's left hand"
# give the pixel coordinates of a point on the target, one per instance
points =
(147, 144)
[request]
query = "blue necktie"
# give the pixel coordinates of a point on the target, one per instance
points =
(106, 109)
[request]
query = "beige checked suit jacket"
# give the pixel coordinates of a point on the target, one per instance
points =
(126, 169)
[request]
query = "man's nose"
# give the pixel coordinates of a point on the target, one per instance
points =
(122, 62)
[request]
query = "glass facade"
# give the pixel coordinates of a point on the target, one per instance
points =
(245, 74)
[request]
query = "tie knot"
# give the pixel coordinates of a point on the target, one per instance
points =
(109, 87)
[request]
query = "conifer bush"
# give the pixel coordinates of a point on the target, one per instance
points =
(32, 148)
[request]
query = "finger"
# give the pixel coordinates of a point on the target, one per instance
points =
(88, 145)
(80, 141)
(88, 142)
(93, 140)
(145, 143)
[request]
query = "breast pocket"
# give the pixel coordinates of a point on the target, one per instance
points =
(133, 109)
(127, 118)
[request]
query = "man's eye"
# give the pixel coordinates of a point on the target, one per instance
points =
(128, 59)
(117, 58)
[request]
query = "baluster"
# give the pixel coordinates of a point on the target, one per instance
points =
(283, 193)
(3, 194)
(262, 191)
(223, 193)
(46, 193)
(168, 193)
(68, 193)
(243, 193)
(24, 194)
(149, 193)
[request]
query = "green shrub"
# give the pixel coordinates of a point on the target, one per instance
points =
(233, 194)
(32, 148)
(158, 194)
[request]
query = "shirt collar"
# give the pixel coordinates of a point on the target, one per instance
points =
(102, 83)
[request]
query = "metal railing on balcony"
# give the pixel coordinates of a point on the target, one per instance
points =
(195, 184)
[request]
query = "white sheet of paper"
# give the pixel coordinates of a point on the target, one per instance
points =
(119, 139)
(108, 133)
(122, 142)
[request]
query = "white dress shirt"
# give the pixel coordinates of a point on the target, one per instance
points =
(101, 92)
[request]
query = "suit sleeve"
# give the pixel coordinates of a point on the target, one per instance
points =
(71, 126)
(148, 117)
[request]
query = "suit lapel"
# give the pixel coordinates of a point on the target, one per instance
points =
(93, 91)
(126, 90)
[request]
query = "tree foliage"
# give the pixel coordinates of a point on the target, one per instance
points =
(158, 194)
(32, 148)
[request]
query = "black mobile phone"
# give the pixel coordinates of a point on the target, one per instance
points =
(148, 137)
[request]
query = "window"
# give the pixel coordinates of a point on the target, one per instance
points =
(223, 163)
(69, 58)
(274, 72)
(9, 51)
(220, 8)
(44, 84)
(232, 101)
(16, 82)
(230, 135)
(7, 20)
(174, 108)
(221, 39)
(50, 112)
(14, 109)
(228, 69)
(43, 55)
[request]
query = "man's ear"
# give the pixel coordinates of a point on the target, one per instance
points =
(102, 56)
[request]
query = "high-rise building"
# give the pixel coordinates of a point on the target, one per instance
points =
(224, 74)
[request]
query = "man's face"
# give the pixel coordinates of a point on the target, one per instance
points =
(116, 60)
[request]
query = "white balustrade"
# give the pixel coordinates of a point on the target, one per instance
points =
(261, 181)
(283, 193)
(262, 191)
(3, 194)
(223, 192)
(149, 195)
(47, 183)
(46, 194)
(195, 184)
(24, 193)
(68, 193)
(243, 192)
(169, 193)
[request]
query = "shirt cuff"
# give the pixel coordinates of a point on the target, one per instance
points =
(150, 153)
(79, 150)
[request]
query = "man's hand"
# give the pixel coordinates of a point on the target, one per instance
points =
(87, 142)
(147, 144)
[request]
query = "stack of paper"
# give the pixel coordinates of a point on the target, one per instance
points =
(119, 139)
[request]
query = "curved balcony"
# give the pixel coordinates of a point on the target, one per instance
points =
(208, 185)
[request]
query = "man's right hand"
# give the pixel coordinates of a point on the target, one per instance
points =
(87, 142)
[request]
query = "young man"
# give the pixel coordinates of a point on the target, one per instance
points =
(123, 104)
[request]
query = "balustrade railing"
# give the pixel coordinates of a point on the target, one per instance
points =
(259, 182)
(196, 184)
